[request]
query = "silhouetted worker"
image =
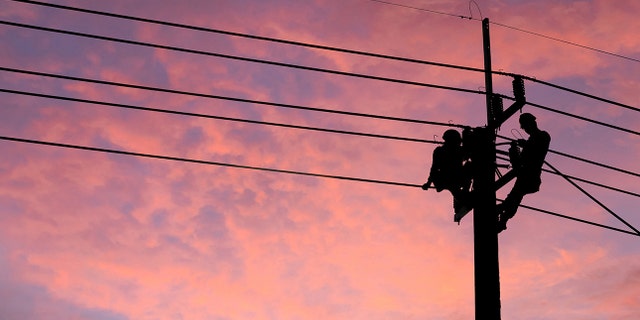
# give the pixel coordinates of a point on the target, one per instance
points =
(449, 172)
(527, 165)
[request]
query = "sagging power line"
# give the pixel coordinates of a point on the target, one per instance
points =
(233, 57)
(266, 169)
(575, 116)
(595, 163)
(576, 219)
(251, 36)
(598, 202)
(587, 181)
(262, 61)
(235, 99)
(207, 116)
(307, 68)
(210, 96)
(483, 155)
(345, 132)
(580, 93)
(470, 17)
(325, 47)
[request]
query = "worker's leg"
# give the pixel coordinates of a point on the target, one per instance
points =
(508, 208)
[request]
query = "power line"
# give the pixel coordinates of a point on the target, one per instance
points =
(593, 198)
(191, 114)
(232, 57)
(572, 115)
(324, 47)
(604, 124)
(265, 169)
(626, 130)
(125, 106)
(576, 219)
(568, 42)
(597, 184)
(571, 179)
(595, 163)
(250, 36)
(593, 183)
(584, 94)
(422, 84)
(423, 9)
(199, 115)
(516, 29)
(235, 99)
(202, 95)
(214, 163)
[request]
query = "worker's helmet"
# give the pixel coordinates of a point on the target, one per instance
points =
(527, 117)
(452, 136)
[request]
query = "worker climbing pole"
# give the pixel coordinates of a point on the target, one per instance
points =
(471, 156)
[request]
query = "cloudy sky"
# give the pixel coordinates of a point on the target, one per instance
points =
(96, 235)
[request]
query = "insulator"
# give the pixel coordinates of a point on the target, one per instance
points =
(497, 107)
(518, 88)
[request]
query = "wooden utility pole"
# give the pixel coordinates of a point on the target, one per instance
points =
(485, 236)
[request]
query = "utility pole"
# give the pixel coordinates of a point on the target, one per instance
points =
(485, 236)
(480, 145)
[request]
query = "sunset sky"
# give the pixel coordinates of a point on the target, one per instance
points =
(96, 235)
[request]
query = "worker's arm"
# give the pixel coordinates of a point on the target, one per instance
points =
(435, 166)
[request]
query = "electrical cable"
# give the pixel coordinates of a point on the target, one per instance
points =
(423, 9)
(250, 36)
(584, 94)
(595, 163)
(283, 125)
(324, 47)
(199, 115)
(567, 42)
(191, 114)
(289, 106)
(245, 59)
(258, 168)
(597, 184)
(572, 115)
(604, 124)
(593, 198)
(206, 162)
(575, 219)
(516, 29)
(593, 183)
(568, 178)
(351, 74)
(235, 99)
(99, 37)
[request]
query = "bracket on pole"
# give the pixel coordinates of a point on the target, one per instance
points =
(510, 175)
(499, 116)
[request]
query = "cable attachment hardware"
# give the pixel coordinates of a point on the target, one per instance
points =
(518, 89)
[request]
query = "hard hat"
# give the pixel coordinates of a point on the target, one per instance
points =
(527, 117)
(451, 135)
